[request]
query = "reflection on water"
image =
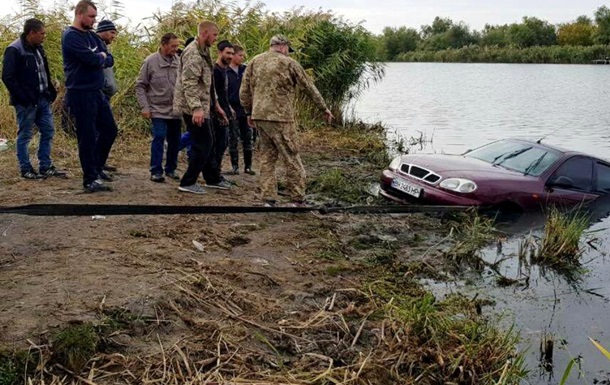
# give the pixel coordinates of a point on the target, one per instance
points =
(467, 105)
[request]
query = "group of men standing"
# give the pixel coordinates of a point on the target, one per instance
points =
(220, 103)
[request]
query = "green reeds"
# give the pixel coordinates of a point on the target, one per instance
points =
(560, 245)
(470, 235)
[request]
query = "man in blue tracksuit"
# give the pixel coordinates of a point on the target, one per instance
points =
(85, 58)
(25, 72)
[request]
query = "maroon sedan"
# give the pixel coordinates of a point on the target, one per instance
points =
(511, 174)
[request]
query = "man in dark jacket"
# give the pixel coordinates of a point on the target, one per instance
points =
(238, 127)
(25, 73)
(85, 57)
(222, 111)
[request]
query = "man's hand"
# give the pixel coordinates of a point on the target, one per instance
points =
(146, 114)
(198, 117)
(328, 116)
(251, 122)
(222, 116)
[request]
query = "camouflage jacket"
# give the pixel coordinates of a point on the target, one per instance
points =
(268, 89)
(194, 81)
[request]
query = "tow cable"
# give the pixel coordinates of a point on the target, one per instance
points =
(61, 209)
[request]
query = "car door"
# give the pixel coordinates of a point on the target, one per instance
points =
(602, 185)
(572, 182)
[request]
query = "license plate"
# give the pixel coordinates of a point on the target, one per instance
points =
(406, 187)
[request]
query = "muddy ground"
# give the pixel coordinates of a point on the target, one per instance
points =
(196, 297)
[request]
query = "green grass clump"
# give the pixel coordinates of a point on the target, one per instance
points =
(470, 235)
(9, 374)
(560, 243)
(75, 345)
(337, 184)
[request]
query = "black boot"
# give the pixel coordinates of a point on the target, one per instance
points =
(234, 162)
(248, 162)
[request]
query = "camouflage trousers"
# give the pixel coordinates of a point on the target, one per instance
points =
(279, 141)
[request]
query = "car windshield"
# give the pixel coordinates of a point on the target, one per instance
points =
(526, 158)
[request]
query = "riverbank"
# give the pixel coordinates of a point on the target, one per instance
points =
(533, 55)
(236, 298)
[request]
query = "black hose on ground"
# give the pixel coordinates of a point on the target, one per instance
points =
(61, 209)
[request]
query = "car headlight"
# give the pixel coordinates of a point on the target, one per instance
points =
(459, 185)
(395, 163)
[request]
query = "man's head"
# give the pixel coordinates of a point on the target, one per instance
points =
(225, 52)
(207, 33)
(106, 30)
(169, 44)
(280, 43)
(239, 55)
(34, 32)
(85, 13)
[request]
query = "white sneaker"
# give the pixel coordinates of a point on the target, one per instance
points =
(194, 189)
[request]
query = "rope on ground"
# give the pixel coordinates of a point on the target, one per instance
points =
(61, 209)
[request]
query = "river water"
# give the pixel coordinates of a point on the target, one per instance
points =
(460, 106)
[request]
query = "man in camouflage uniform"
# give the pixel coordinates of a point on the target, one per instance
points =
(192, 99)
(268, 93)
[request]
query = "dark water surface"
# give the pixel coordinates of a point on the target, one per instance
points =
(461, 106)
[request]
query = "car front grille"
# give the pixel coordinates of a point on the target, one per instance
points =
(419, 173)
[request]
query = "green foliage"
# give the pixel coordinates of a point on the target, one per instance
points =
(9, 375)
(75, 345)
(581, 32)
(341, 57)
(398, 40)
(602, 19)
(560, 244)
(477, 54)
(531, 41)
(532, 32)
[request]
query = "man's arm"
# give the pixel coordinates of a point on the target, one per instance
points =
(189, 77)
(10, 66)
(305, 82)
(245, 91)
(142, 84)
(79, 49)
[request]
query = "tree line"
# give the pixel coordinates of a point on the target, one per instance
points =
(531, 40)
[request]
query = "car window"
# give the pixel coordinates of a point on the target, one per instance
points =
(603, 178)
(574, 174)
(523, 157)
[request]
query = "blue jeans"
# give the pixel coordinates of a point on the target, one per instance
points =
(40, 115)
(162, 130)
(185, 142)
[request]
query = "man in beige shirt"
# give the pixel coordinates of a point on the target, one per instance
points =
(155, 92)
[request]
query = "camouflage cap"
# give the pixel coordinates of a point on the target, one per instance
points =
(281, 40)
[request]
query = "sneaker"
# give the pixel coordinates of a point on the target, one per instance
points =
(105, 177)
(52, 171)
(194, 189)
(31, 174)
(270, 203)
(108, 167)
(222, 185)
(97, 186)
(248, 170)
(172, 175)
(234, 170)
(157, 178)
(297, 204)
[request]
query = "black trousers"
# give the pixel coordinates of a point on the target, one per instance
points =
(96, 130)
(200, 161)
(221, 142)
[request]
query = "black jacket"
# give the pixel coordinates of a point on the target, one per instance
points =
(234, 79)
(20, 74)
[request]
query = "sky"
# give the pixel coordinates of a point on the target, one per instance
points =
(377, 14)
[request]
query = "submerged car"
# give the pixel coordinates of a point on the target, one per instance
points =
(510, 174)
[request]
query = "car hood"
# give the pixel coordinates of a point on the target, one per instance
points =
(458, 166)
